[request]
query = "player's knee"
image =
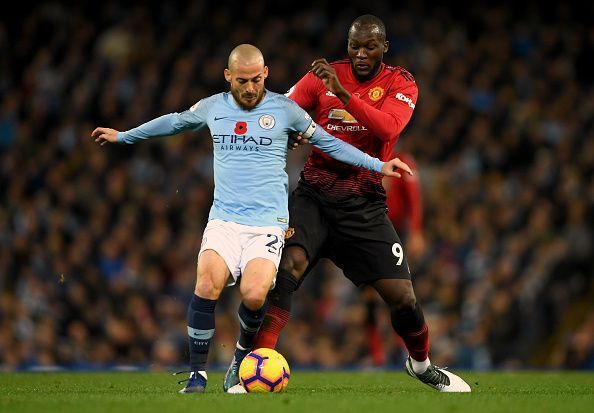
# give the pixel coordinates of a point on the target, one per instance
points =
(207, 288)
(254, 298)
(404, 302)
(294, 260)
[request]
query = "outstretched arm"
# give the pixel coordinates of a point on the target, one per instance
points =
(347, 153)
(166, 125)
(162, 126)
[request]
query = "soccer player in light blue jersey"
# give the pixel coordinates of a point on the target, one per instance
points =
(245, 233)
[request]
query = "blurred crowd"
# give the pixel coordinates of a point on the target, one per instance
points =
(98, 245)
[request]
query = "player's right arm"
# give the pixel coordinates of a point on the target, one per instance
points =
(166, 125)
(387, 122)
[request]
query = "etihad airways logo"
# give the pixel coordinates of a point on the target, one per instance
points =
(405, 99)
(240, 143)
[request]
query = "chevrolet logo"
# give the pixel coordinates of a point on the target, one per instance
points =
(342, 115)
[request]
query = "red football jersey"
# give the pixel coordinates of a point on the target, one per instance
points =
(372, 120)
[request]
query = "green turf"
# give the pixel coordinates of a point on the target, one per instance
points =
(361, 392)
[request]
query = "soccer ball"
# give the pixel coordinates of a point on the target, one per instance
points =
(264, 370)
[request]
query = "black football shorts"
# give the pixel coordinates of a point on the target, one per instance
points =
(356, 234)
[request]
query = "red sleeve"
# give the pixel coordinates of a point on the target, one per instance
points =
(389, 121)
(305, 92)
(411, 191)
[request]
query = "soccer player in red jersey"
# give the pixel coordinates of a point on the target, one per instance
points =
(339, 212)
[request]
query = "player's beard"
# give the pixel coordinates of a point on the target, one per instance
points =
(249, 104)
(369, 74)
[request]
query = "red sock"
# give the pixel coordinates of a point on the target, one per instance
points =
(274, 321)
(375, 345)
(417, 343)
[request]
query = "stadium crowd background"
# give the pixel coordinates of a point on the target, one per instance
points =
(98, 245)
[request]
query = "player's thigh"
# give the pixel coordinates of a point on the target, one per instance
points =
(370, 253)
(397, 293)
(307, 230)
(262, 249)
(220, 254)
(212, 274)
(261, 243)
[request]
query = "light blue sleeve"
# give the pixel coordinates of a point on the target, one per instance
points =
(336, 148)
(170, 124)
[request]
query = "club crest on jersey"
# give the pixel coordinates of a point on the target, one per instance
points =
(240, 128)
(376, 93)
(266, 122)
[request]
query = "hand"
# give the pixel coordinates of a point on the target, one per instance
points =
(105, 135)
(322, 69)
(296, 139)
(392, 167)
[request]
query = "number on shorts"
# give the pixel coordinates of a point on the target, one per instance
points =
(272, 248)
(398, 252)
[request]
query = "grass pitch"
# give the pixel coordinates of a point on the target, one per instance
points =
(309, 392)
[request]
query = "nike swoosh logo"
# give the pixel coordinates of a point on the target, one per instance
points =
(222, 117)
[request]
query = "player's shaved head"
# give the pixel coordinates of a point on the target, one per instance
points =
(369, 23)
(245, 55)
(246, 73)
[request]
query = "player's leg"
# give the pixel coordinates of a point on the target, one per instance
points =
(407, 318)
(212, 275)
(370, 252)
(305, 237)
(218, 258)
(262, 248)
(293, 266)
(408, 322)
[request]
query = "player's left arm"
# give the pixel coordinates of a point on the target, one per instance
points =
(347, 153)
(338, 149)
(389, 121)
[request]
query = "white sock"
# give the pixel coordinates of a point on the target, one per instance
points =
(420, 367)
(203, 374)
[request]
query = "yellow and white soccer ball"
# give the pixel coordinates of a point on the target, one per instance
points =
(264, 370)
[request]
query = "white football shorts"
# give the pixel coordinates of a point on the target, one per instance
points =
(238, 244)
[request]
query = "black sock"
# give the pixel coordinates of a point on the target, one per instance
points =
(249, 324)
(282, 293)
(201, 327)
(410, 320)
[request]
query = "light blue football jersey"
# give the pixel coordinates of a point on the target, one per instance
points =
(250, 153)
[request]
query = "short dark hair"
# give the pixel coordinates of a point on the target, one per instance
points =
(370, 22)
